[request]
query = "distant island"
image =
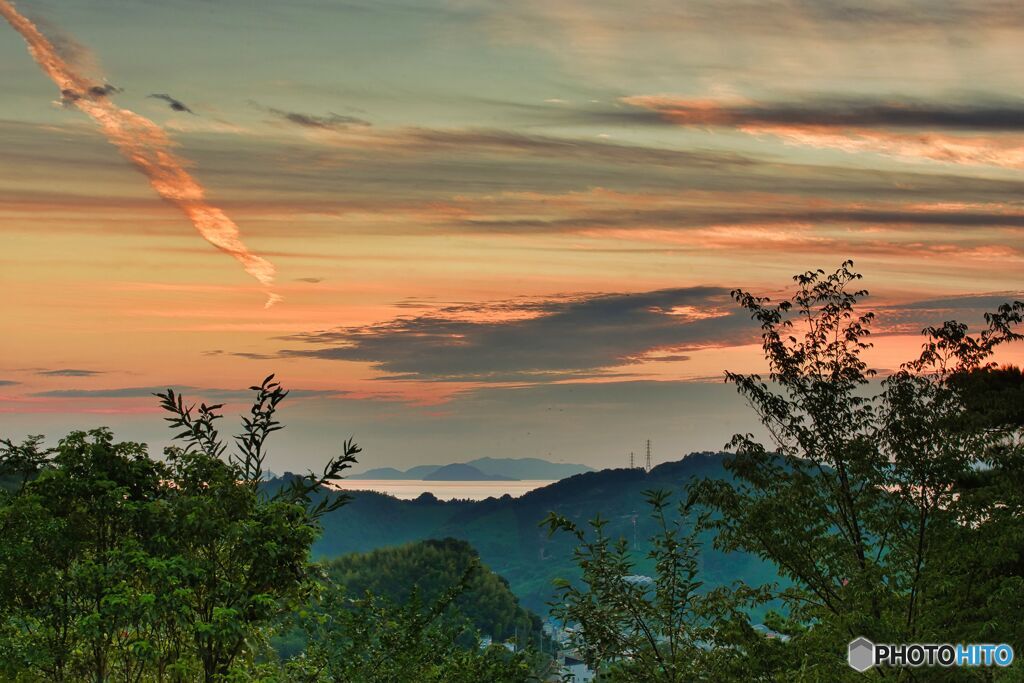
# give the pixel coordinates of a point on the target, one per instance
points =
(481, 469)
(464, 472)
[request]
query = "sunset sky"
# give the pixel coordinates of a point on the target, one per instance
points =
(473, 228)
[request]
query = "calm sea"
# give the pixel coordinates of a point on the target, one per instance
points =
(407, 489)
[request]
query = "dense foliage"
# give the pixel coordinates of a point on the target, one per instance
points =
(666, 627)
(118, 566)
(375, 639)
(861, 500)
(431, 568)
(631, 624)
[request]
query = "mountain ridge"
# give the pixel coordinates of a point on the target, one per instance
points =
(463, 472)
(491, 469)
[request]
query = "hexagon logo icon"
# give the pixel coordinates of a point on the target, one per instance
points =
(861, 655)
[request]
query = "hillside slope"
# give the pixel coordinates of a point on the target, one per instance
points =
(528, 468)
(505, 531)
(433, 567)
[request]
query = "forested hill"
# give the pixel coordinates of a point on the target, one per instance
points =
(505, 531)
(433, 567)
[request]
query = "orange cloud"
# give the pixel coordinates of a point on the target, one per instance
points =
(1002, 151)
(842, 132)
(143, 143)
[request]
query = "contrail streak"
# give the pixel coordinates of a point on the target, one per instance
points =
(145, 144)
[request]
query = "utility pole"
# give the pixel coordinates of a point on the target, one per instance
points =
(648, 455)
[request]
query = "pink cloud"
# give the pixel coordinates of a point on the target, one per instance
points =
(143, 143)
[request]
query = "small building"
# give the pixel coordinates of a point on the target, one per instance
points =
(577, 671)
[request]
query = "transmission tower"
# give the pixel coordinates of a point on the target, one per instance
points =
(632, 465)
(648, 466)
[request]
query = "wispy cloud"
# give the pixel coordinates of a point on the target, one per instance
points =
(190, 392)
(406, 179)
(172, 102)
(330, 121)
(69, 372)
(681, 216)
(989, 134)
(913, 316)
(953, 149)
(146, 145)
(735, 37)
(411, 141)
(483, 140)
(594, 18)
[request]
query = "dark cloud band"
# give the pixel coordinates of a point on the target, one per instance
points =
(827, 113)
(331, 121)
(687, 217)
(69, 372)
(174, 103)
(576, 337)
(535, 341)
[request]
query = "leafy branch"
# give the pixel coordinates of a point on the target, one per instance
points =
(26, 459)
(199, 432)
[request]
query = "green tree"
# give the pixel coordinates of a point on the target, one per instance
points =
(372, 639)
(431, 568)
(121, 567)
(71, 542)
(959, 421)
(245, 551)
(892, 510)
(860, 500)
(664, 628)
(21, 462)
